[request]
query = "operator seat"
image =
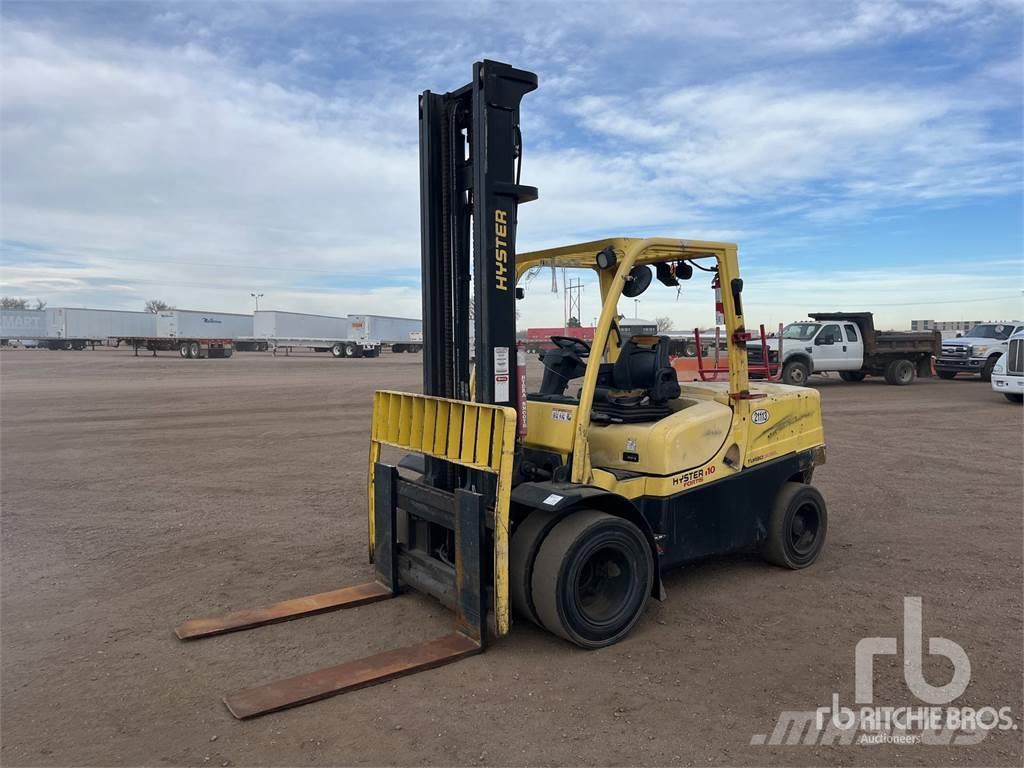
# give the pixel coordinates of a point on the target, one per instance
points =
(639, 384)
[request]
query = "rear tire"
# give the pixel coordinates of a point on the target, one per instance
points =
(1014, 397)
(337, 351)
(194, 351)
(797, 528)
(852, 376)
(795, 373)
(227, 352)
(591, 578)
(349, 350)
(947, 375)
(183, 349)
(900, 373)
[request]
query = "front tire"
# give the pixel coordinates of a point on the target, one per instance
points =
(527, 537)
(986, 370)
(797, 527)
(1014, 397)
(795, 373)
(852, 376)
(591, 578)
(900, 373)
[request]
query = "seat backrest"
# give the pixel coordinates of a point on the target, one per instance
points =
(644, 364)
(638, 362)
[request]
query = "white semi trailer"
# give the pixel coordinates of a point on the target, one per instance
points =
(194, 334)
(75, 327)
(402, 334)
(297, 330)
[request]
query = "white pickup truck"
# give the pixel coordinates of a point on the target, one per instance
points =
(976, 352)
(1008, 372)
(848, 343)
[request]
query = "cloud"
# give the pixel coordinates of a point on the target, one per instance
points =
(199, 152)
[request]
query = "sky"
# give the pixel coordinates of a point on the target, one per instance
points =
(863, 155)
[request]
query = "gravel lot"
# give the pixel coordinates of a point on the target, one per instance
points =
(140, 492)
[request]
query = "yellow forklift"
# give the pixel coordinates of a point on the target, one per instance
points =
(563, 505)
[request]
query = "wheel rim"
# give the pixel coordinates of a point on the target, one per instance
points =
(804, 529)
(604, 586)
(905, 372)
(797, 374)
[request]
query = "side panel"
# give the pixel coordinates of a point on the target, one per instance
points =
(22, 323)
(107, 323)
(721, 517)
(186, 324)
(298, 325)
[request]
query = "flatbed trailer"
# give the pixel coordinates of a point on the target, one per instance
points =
(188, 348)
(338, 347)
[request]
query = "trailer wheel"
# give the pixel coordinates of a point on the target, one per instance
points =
(795, 373)
(852, 376)
(900, 372)
(797, 528)
(591, 578)
(1014, 397)
(183, 349)
(194, 350)
(527, 537)
(947, 375)
(227, 352)
(351, 350)
(337, 351)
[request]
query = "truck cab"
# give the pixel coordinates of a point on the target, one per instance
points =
(976, 352)
(826, 346)
(1008, 372)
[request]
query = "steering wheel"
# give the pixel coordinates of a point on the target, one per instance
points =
(572, 345)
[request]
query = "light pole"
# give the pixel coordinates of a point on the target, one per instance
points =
(636, 309)
(257, 296)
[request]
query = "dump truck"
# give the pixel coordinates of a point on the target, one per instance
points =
(559, 502)
(847, 343)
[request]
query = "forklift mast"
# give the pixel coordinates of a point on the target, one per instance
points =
(470, 160)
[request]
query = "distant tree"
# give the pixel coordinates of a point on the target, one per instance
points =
(664, 324)
(11, 302)
(573, 322)
(155, 305)
(40, 304)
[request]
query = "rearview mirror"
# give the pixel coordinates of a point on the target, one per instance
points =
(637, 281)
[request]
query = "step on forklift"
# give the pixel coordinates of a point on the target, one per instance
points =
(564, 504)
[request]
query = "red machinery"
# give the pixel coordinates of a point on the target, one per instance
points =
(764, 370)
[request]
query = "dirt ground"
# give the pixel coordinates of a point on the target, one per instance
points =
(140, 492)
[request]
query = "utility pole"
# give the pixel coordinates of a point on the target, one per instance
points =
(636, 309)
(257, 296)
(573, 299)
